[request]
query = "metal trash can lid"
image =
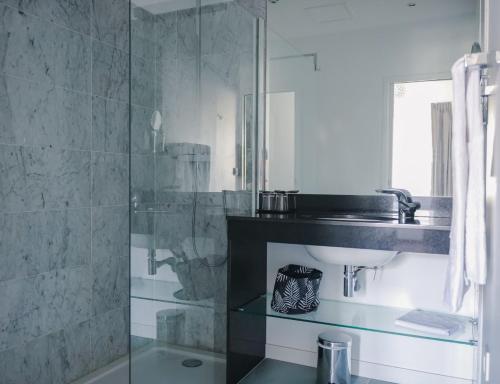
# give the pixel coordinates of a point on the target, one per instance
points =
(332, 339)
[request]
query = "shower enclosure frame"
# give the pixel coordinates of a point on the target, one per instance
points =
(256, 107)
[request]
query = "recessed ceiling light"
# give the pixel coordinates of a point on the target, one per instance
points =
(274, 1)
(412, 4)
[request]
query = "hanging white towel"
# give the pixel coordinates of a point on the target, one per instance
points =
(475, 220)
(456, 287)
(467, 263)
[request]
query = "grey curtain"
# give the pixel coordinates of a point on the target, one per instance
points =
(441, 149)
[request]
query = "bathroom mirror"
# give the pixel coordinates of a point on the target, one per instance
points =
(359, 93)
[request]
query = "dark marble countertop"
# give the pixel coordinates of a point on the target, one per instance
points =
(427, 235)
(390, 220)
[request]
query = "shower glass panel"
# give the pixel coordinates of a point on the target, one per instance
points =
(194, 101)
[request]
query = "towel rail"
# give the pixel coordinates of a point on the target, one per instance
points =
(484, 60)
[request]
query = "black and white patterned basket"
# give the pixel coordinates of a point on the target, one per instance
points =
(296, 290)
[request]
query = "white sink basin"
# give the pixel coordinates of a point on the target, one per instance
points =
(138, 240)
(350, 256)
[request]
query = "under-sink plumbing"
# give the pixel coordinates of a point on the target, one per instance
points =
(351, 283)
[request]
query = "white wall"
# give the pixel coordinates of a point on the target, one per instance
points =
(342, 117)
(410, 281)
(342, 147)
(281, 138)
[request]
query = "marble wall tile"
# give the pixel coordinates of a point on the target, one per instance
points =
(110, 233)
(110, 177)
(70, 353)
(41, 114)
(49, 290)
(219, 30)
(43, 178)
(110, 283)
(70, 14)
(166, 89)
(189, 327)
(141, 130)
(256, 7)
(166, 35)
(142, 82)
(187, 40)
(187, 106)
(110, 22)
(143, 38)
(142, 175)
(109, 334)
(33, 307)
(43, 52)
(143, 47)
(110, 125)
(57, 358)
(142, 223)
(37, 242)
(63, 237)
(169, 175)
(110, 72)
(17, 257)
(17, 309)
(142, 23)
(64, 298)
(172, 229)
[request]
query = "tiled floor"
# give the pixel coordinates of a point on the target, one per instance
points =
(279, 372)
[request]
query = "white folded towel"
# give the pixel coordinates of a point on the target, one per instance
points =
(431, 322)
(475, 220)
(455, 287)
(468, 264)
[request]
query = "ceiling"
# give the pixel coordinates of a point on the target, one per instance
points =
(304, 18)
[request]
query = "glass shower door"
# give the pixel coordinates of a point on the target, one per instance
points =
(194, 99)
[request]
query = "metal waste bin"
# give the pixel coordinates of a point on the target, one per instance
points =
(334, 358)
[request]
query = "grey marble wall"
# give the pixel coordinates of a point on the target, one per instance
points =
(64, 88)
(257, 7)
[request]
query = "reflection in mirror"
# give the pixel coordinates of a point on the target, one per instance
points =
(360, 93)
(421, 137)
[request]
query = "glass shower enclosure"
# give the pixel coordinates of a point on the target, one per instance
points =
(194, 102)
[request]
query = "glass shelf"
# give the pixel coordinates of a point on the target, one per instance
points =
(364, 317)
(163, 291)
(274, 371)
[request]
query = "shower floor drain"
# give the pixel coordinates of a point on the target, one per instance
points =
(192, 363)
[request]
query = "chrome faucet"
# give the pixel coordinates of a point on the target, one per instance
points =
(406, 205)
(154, 264)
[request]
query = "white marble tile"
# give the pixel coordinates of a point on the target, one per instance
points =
(43, 52)
(110, 284)
(41, 114)
(109, 334)
(110, 125)
(70, 14)
(32, 307)
(110, 22)
(110, 177)
(142, 81)
(110, 72)
(57, 358)
(43, 178)
(36, 242)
